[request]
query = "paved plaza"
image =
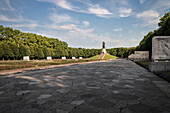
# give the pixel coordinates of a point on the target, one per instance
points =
(113, 86)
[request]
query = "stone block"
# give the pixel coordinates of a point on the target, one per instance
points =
(26, 58)
(73, 58)
(49, 58)
(161, 48)
(63, 57)
(159, 66)
(80, 58)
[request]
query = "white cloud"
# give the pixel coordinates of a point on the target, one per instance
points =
(133, 40)
(6, 5)
(86, 23)
(161, 5)
(96, 9)
(125, 12)
(142, 1)
(62, 3)
(149, 18)
(31, 25)
(68, 27)
(148, 14)
(7, 19)
(56, 18)
(117, 29)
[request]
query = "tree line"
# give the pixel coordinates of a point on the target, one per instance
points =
(15, 44)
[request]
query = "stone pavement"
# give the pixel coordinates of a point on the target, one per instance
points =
(115, 86)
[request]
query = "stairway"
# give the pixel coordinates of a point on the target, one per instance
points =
(101, 56)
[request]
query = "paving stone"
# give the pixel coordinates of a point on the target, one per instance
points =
(126, 111)
(63, 90)
(40, 102)
(61, 111)
(140, 108)
(121, 104)
(85, 109)
(101, 103)
(113, 86)
(77, 102)
(33, 83)
(110, 110)
(131, 102)
(23, 82)
(129, 86)
(23, 92)
(43, 96)
(1, 92)
(116, 91)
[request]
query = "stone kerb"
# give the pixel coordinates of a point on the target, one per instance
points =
(26, 58)
(161, 48)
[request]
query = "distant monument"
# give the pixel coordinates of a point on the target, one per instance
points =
(103, 45)
(103, 48)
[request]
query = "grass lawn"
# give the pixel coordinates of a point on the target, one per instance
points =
(7, 65)
(94, 57)
(144, 64)
(106, 57)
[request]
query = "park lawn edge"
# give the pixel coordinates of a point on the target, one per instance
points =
(31, 64)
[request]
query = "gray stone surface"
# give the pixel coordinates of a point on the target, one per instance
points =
(159, 66)
(114, 86)
(161, 48)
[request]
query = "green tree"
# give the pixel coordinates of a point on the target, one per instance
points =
(1, 52)
(24, 51)
(46, 52)
(7, 51)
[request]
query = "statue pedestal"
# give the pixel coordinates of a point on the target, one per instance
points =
(104, 51)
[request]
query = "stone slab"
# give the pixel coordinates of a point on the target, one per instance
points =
(159, 66)
(160, 48)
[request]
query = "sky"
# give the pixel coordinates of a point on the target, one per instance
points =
(86, 23)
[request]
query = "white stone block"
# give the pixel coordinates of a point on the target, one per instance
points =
(63, 58)
(26, 58)
(80, 57)
(73, 58)
(161, 48)
(49, 58)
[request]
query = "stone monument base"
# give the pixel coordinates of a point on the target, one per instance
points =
(104, 51)
(159, 66)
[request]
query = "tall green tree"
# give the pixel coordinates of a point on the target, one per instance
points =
(24, 51)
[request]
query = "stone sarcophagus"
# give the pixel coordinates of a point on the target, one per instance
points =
(143, 55)
(161, 48)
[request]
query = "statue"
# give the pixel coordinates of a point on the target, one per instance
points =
(103, 45)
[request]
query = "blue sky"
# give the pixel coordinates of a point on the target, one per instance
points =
(85, 23)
